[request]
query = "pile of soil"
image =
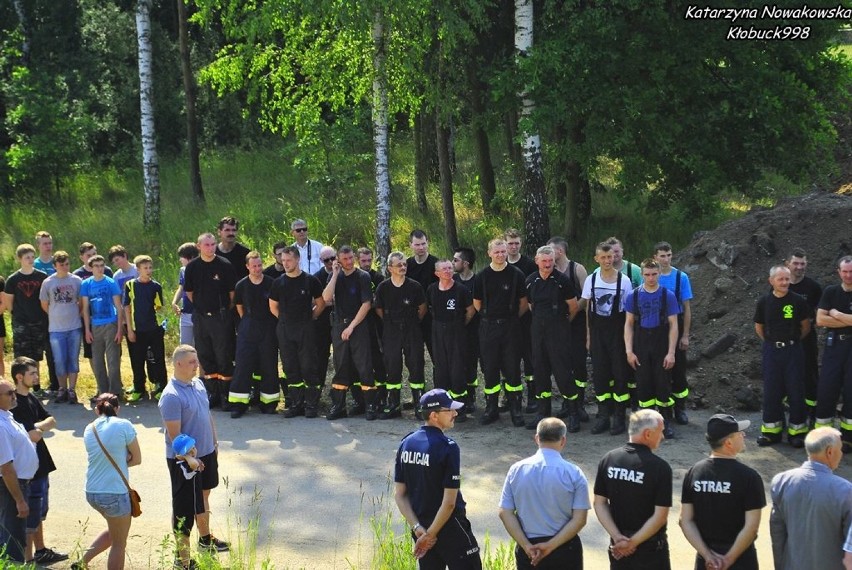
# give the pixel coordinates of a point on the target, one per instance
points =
(729, 268)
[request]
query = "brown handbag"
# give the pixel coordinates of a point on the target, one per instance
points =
(135, 499)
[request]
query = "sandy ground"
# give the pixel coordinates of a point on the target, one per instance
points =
(313, 485)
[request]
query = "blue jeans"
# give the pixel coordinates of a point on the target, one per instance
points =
(66, 351)
(38, 501)
(110, 504)
(13, 532)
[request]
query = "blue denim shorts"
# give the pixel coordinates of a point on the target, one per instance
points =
(66, 351)
(38, 502)
(110, 505)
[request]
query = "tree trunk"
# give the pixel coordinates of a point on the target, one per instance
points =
(536, 214)
(419, 165)
(189, 96)
(150, 163)
(25, 32)
(442, 141)
(487, 185)
(380, 140)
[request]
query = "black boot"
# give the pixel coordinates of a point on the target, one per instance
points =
(581, 401)
(312, 395)
(532, 402)
(667, 414)
(573, 415)
(545, 407)
(602, 419)
(516, 408)
(297, 402)
(238, 409)
(680, 411)
(470, 400)
(618, 424)
(416, 393)
(338, 405)
(371, 401)
(224, 387)
(391, 409)
(213, 398)
(492, 412)
(359, 406)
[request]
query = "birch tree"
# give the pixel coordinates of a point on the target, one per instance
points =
(536, 215)
(150, 162)
(380, 139)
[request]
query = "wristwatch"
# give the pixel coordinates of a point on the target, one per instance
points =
(415, 527)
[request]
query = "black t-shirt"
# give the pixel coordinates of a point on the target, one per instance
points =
(450, 305)
(350, 292)
(636, 482)
(26, 308)
(721, 490)
(467, 284)
(29, 411)
(375, 278)
(428, 462)
(400, 303)
(526, 265)
(834, 297)
(273, 272)
(809, 290)
(84, 273)
(254, 299)
(499, 291)
(237, 257)
(781, 317)
(324, 277)
(210, 283)
(547, 297)
(295, 296)
(423, 273)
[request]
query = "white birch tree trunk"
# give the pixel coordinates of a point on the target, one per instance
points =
(536, 214)
(150, 162)
(380, 139)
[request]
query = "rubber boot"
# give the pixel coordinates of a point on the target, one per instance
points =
(619, 426)
(470, 401)
(564, 409)
(382, 395)
(371, 404)
(680, 411)
(416, 393)
(545, 407)
(238, 409)
(532, 402)
(667, 414)
(312, 396)
(338, 405)
(213, 398)
(461, 415)
(492, 412)
(359, 406)
(516, 409)
(297, 402)
(602, 419)
(391, 409)
(581, 400)
(573, 415)
(224, 387)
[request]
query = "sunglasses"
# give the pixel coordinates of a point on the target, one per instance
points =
(300, 230)
(327, 259)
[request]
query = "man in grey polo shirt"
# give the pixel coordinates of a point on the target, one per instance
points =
(811, 507)
(18, 464)
(545, 503)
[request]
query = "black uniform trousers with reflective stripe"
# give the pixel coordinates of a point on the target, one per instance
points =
(297, 343)
(609, 360)
(783, 375)
(353, 355)
(403, 338)
(256, 352)
(653, 382)
(448, 345)
(550, 337)
(214, 340)
(500, 351)
(836, 380)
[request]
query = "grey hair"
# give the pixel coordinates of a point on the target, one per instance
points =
(181, 351)
(395, 255)
(544, 250)
(297, 222)
(820, 439)
(551, 430)
(773, 271)
(642, 420)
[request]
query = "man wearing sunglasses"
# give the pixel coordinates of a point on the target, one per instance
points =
(309, 250)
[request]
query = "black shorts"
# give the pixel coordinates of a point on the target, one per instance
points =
(29, 340)
(187, 494)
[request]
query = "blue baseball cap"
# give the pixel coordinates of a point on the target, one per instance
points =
(183, 444)
(438, 398)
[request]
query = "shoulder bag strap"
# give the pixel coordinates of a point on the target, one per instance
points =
(108, 456)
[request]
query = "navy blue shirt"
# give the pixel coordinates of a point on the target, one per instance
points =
(428, 462)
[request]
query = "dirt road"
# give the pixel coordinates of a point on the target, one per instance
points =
(313, 485)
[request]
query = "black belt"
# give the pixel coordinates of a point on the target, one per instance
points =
(496, 321)
(213, 314)
(342, 321)
(783, 343)
(843, 336)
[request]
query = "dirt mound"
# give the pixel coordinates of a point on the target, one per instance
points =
(729, 268)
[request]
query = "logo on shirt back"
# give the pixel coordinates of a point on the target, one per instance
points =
(622, 474)
(415, 458)
(712, 487)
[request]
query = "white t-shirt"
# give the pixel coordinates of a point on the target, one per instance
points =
(605, 293)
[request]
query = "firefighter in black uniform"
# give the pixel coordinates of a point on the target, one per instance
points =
(464, 260)
(835, 312)
(650, 339)
(209, 282)
(451, 306)
(811, 291)
(350, 292)
(500, 298)
(256, 346)
(782, 320)
(421, 268)
(401, 304)
(604, 292)
(323, 323)
(365, 262)
(553, 301)
(633, 494)
(527, 267)
(426, 490)
(296, 301)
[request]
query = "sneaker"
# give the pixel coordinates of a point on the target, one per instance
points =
(212, 544)
(193, 565)
(61, 396)
(133, 396)
(767, 440)
(47, 556)
(72, 397)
